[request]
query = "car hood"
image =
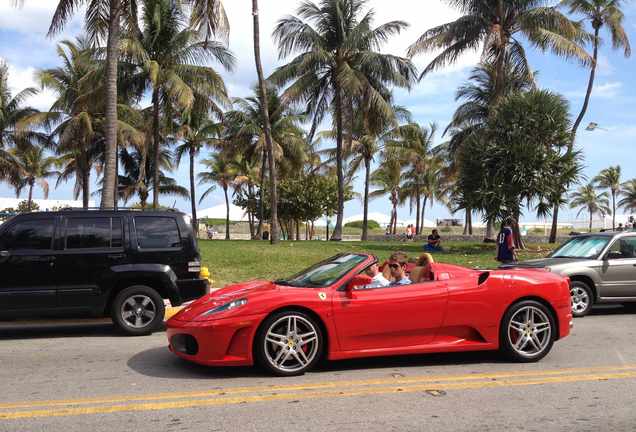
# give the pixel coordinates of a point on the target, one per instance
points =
(543, 263)
(250, 290)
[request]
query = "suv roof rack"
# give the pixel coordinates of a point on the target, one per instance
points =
(118, 209)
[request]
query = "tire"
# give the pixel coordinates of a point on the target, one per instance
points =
(138, 310)
(524, 342)
(288, 343)
(582, 298)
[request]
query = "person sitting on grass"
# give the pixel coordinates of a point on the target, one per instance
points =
(398, 274)
(377, 278)
(424, 270)
(434, 243)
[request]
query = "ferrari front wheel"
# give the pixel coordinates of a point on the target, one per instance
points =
(289, 343)
(527, 331)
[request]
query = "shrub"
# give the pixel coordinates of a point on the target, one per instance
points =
(358, 224)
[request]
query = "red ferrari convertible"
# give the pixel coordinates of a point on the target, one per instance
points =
(329, 311)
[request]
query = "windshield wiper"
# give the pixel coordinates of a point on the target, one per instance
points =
(568, 256)
(282, 282)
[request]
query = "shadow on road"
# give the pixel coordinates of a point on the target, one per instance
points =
(161, 363)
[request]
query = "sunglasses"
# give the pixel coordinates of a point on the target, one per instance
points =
(394, 266)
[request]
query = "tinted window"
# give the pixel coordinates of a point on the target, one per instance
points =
(624, 248)
(157, 232)
(93, 233)
(33, 234)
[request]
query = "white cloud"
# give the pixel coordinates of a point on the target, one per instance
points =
(22, 78)
(607, 90)
(34, 17)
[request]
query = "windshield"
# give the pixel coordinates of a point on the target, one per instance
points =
(324, 273)
(582, 247)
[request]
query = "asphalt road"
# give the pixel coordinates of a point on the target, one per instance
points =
(84, 377)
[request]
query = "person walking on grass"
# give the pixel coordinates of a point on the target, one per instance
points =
(506, 252)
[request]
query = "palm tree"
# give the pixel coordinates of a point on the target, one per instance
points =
(599, 13)
(31, 166)
(628, 192)
(497, 28)
(172, 60)
(222, 172)
(338, 60)
(13, 116)
(104, 20)
(610, 178)
(197, 132)
(388, 179)
(588, 200)
(138, 175)
(77, 114)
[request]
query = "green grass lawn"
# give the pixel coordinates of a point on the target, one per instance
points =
(240, 260)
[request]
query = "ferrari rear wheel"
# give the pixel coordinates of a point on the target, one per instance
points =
(527, 331)
(289, 343)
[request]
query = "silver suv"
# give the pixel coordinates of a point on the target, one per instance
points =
(601, 268)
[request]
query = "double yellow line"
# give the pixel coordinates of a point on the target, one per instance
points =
(318, 390)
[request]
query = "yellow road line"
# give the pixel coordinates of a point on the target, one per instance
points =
(183, 404)
(313, 386)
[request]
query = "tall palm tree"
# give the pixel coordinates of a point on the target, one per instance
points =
(220, 171)
(30, 167)
(588, 200)
(172, 59)
(338, 59)
(199, 131)
(628, 192)
(610, 178)
(267, 128)
(103, 20)
(599, 13)
(388, 181)
(497, 27)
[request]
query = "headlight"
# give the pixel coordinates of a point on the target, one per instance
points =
(226, 307)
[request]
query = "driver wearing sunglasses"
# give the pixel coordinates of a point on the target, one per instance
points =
(398, 274)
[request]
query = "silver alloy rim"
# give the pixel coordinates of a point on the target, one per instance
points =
(138, 311)
(291, 343)
(580, 299)
(529, 331)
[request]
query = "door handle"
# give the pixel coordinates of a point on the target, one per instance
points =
(4, 254)
(116, 256)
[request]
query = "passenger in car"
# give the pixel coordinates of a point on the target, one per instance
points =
(377, 278)
(398, 274)
(423, 271)
(396, 257)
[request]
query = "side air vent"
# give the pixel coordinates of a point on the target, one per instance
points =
(483, 277)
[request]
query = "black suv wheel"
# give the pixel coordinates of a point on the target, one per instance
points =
(138, 310)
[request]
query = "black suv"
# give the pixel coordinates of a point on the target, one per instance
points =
(117, 263)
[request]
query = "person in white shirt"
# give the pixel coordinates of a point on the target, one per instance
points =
(378, 280)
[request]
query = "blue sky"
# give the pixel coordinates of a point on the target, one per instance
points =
(24, 46)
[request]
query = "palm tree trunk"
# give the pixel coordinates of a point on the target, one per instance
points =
(267, 125)
(112, 57)
(613, 210)
(336, 235)
(30, 197)
(297, 230)
(86, 178)
(590, 87)
(365, 218)
(555, 226)
(418, 206)
(261, 208)
(591, 215)
(227, 213)
(423, 213)
(156, 147)
(193, 195)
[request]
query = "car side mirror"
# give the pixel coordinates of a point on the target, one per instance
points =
(358, 281)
